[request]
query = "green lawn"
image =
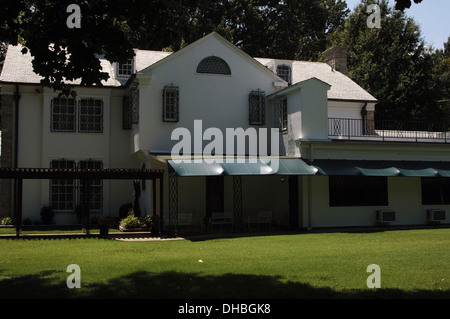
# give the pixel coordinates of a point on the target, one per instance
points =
(413, 263)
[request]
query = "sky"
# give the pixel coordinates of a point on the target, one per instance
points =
(433, 16)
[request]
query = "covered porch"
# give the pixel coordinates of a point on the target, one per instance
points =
(238, 195)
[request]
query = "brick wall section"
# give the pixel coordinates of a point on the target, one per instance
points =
(337, 58)
(6, 159)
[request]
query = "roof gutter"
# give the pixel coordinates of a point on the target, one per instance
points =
(17, 184)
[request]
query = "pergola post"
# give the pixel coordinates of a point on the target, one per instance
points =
(18, 210)
(85, 184)
(154, 198)
(161, 204)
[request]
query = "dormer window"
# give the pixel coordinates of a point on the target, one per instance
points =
(125, 70)
(284, 72)
(257, 106)
(213, 65)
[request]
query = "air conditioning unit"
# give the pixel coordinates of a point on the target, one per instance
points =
(435, 216)
(384, 217)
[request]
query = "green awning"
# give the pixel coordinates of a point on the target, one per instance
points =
(246, 168)
(335, 167)
(294, 166)
(427, 172)
(195, 169)
(389, 171)
(382, 168)
(443, 173)
(241, 166)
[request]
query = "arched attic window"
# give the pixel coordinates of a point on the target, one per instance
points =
(213, 65)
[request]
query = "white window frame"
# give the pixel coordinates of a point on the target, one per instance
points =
(63, 199)
(125, 70)
(68, 193)
(93, 117)
(70, 118)
(96, 186)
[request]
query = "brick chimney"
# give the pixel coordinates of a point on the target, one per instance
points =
(336, 57)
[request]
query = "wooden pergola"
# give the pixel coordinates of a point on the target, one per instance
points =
(85, 176)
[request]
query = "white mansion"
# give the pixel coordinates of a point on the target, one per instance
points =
(336, 165)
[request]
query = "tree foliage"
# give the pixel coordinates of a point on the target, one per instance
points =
(393, 64)
(280, 29)
(404, 4)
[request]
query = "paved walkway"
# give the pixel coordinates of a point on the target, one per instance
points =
(146, 236)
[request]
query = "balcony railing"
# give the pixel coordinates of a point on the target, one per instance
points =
(359, 129)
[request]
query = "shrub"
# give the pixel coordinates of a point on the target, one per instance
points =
(130, 222)
(147, 220)
(6, 221)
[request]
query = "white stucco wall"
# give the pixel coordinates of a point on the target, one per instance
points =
(38, 146)
(220, 101)
(404, 196)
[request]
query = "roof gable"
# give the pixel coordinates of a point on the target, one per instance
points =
(212, 37)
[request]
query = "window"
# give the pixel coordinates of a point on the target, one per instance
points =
(213, 65)
(280, 115)
(90, 116)
(358, 191)
(62, 191)
(257, 106)
(126, 69)
(435, 191)
(63, 112)
(171, 101)
(65, 193)
(284, 72)
(96, 186)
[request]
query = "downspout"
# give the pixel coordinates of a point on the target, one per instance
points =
(16, 126)
(17, 183)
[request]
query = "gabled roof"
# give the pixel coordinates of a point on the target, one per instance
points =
(224, 41)
(18, 68)
(342, 87)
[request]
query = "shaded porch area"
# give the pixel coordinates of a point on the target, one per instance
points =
(85, 177)
(235, 196)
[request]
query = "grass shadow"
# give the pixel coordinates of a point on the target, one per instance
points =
(178, 285)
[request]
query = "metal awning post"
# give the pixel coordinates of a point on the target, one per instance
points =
(161, 204)
(237, 199)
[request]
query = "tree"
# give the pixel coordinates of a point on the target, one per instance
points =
(441, 74)
(107, 28)
(265, 28)
(403, 4)
(293, 29)
(392, 63)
